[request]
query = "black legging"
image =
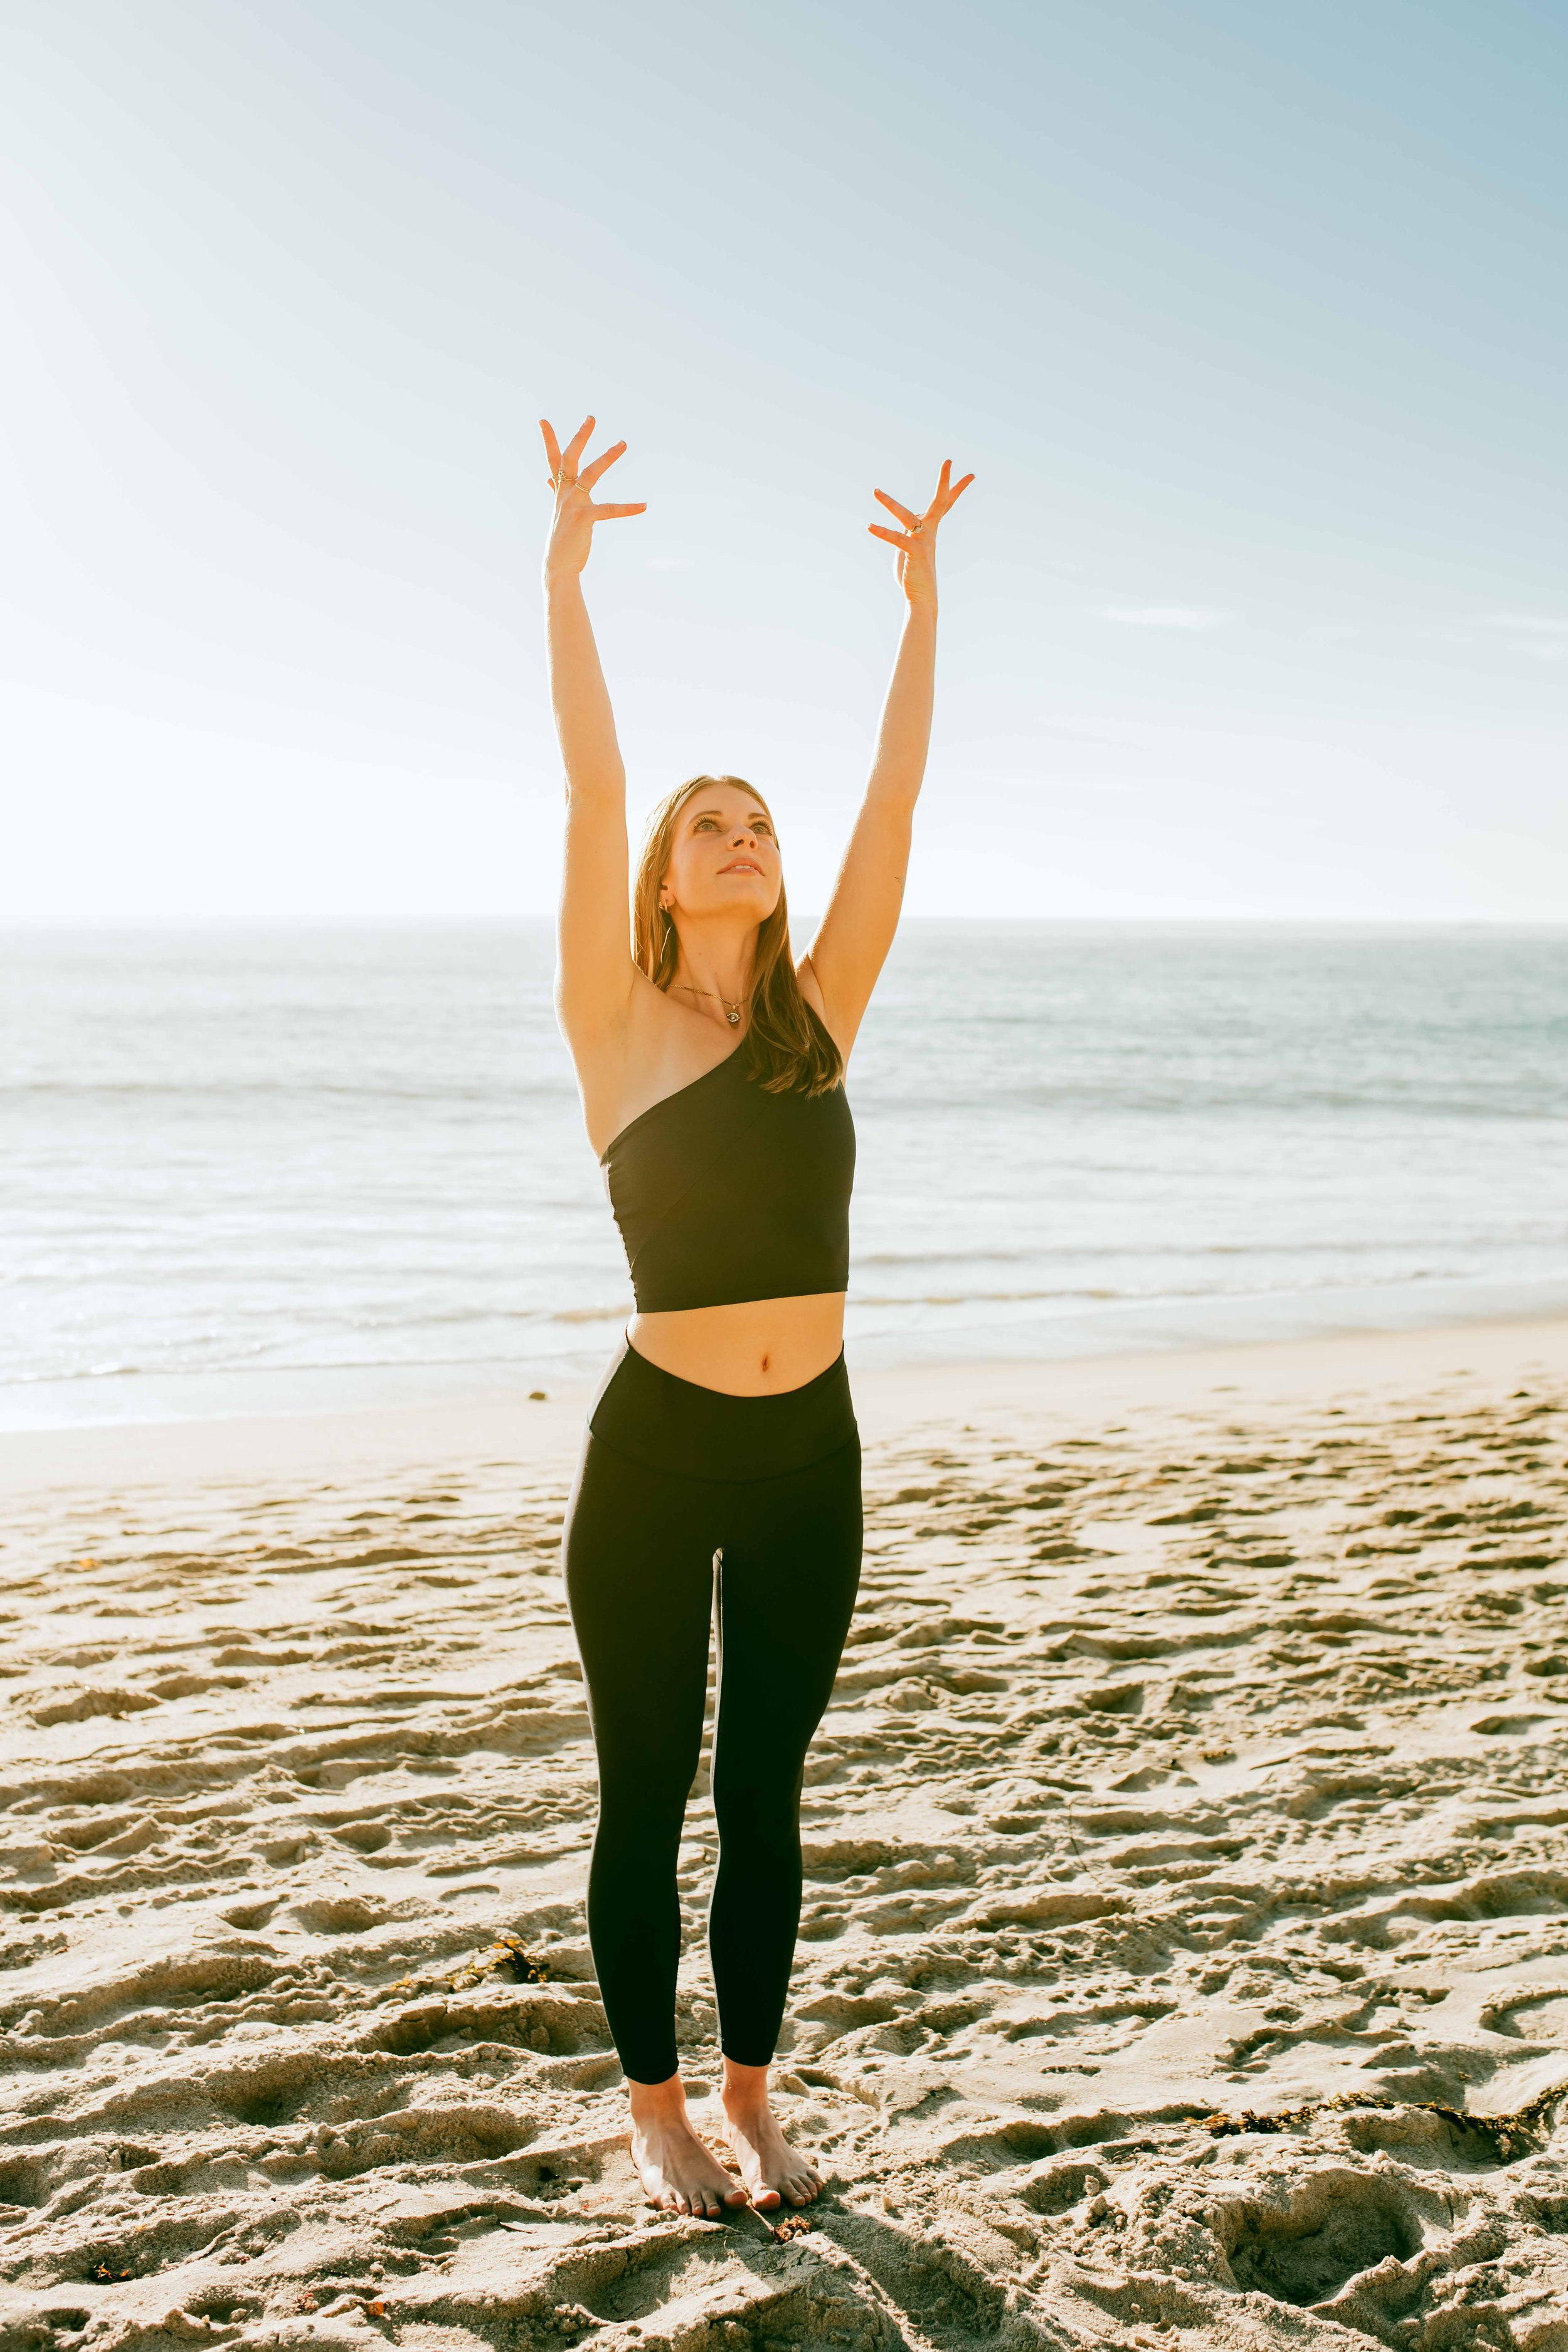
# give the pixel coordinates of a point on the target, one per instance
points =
(683, 1492)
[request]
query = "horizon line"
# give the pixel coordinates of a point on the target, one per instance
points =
(208, 926)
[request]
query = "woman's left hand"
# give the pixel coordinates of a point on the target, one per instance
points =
(916, 542)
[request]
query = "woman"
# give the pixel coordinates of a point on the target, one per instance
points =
(721, 1472)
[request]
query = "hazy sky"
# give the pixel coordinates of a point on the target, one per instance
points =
(1249, 319)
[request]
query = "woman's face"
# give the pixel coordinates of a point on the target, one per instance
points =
(724, 858)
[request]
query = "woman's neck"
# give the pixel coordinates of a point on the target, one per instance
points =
(716, 969)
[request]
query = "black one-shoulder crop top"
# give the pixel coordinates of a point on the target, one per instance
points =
(724, 1192)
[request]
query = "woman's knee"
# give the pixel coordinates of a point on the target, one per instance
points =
(758, 1812)
(635, 1812)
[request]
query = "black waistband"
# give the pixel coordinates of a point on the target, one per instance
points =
(673, 1425)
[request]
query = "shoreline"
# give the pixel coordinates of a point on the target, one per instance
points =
(541, 1438)
(1172, 1326)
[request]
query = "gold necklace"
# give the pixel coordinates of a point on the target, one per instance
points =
(732, 1011)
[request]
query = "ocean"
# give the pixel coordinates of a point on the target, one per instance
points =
(301, 1169)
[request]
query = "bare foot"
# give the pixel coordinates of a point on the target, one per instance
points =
(678, 2172)
(774, 2171)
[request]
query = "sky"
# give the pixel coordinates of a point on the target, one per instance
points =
(1249, 321)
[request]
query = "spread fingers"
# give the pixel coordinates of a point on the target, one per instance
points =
(910, 522)
(590, 474)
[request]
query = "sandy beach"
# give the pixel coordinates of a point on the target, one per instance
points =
(1185, 1956)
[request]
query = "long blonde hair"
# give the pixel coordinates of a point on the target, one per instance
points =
(790, 1047)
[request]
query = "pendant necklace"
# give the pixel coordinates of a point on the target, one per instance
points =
(732, 1012)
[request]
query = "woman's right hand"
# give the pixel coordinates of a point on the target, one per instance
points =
(571, 532)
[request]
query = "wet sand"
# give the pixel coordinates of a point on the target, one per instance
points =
(1185, 1956)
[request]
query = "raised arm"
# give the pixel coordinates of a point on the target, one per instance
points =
(595, 973)
(855, 934)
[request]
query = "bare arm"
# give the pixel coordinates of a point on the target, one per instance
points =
(855, 934)
(594, 973)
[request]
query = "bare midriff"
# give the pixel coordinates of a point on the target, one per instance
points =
(759, 1348)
